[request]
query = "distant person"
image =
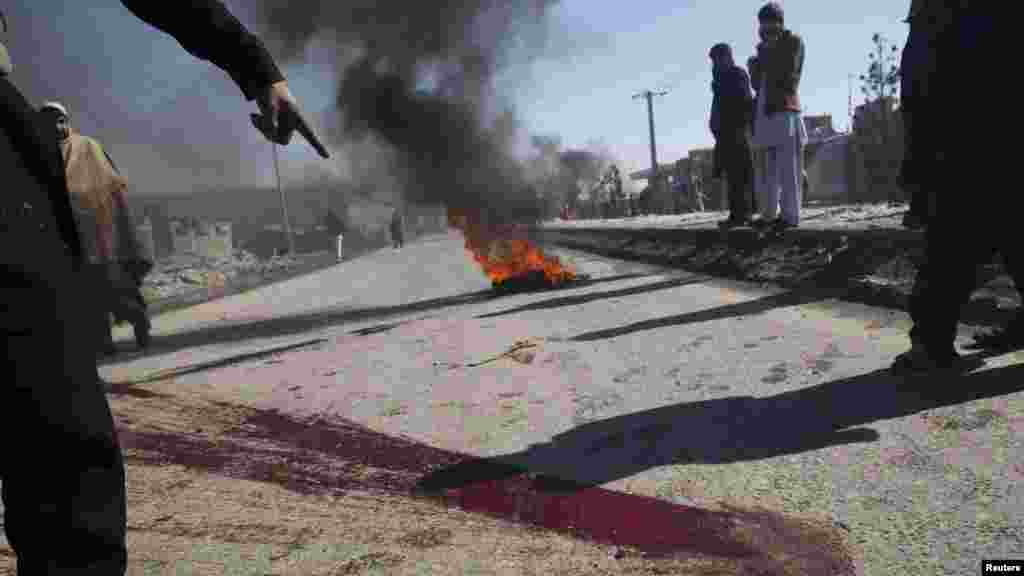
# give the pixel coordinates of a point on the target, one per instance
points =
(779, 133)
(113, 258)
(730, 124)
(62, 471)
(698, 193)
(397, 229)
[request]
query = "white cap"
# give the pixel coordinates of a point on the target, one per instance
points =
(55, 106)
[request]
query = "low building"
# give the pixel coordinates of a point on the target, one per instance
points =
(183, 236)
(214, 239)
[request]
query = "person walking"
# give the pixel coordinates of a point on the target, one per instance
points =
(64, 492)
(779, 133)
(397, 229)
(730, 124)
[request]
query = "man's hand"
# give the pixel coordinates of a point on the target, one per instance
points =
(281, 116)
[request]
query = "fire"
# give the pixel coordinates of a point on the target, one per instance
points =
(504, 253)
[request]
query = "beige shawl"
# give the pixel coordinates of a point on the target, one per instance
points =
(97, 196)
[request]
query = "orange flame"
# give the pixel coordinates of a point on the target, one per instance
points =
(504, 253)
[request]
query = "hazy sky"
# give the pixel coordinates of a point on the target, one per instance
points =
(174, 123)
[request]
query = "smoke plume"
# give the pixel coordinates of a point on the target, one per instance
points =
(416, 82)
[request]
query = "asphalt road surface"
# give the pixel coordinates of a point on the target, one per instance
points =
(644, 380)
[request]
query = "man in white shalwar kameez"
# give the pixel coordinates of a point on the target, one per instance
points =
(779, 132)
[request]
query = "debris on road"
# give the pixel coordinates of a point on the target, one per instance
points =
(516, 352)
(183, 272)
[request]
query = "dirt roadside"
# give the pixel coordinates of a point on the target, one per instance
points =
(220, 488)
(861, 253)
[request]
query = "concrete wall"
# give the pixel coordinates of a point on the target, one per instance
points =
(147, 245)
(183, 237)
(827, 170)
(214, 239)
(877, 152)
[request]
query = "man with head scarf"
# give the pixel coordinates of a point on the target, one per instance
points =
(779, 132)
(106, 229)
(730, 125)
(62, 472)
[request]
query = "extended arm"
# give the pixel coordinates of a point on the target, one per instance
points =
(208, 31)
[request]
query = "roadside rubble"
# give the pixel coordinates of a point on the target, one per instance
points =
(180, 274)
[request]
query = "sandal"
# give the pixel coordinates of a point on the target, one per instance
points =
(1006, 339)
(918, 362)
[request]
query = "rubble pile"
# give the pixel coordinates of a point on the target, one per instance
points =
(183, 273)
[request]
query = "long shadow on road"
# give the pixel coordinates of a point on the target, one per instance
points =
(979, 311)
(579, 299)
(302, 323)
(733, 429)
(334, 456)
(750, 308)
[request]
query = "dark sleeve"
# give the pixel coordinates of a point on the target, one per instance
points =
(745, 96)
(794, 65)
(208, 31)
(753, 65)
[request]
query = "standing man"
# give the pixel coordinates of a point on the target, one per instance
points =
(959, 235)
(730, 124)
(111, 254)
(64, 491)
(779, 133)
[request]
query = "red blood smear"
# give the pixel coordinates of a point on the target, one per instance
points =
(651, 525)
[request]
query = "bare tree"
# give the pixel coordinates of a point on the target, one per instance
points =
(879, 85)
(882, 79)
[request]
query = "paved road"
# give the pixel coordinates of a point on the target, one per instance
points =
(646, 380)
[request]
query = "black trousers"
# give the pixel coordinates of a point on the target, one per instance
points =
(970, 218)
(738, 164)
(959, 239)
(915, 165)
(62, 473)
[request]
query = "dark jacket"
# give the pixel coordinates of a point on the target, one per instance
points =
(782, 65)
(731, 105)
(946, 44)
(731, 118)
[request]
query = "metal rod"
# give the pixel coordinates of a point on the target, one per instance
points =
(284, 204)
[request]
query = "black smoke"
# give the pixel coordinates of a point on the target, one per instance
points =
(418, 78)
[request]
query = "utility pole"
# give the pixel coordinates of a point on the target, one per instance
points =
(655, 175)
(284, 204)
(849, 103)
